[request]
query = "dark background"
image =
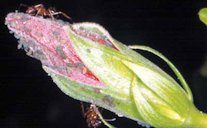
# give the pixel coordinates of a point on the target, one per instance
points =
(29, 98)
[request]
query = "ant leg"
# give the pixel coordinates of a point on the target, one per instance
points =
(110, 120)
(51, 15)
(83, 109)
(22, 5)
(104, 120)
(64, 14)
(39, 5)
(38, 12)
(98, 111)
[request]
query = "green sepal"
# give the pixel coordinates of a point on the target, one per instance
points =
(104, 97)
(170, 64)
(159, 101)
(154, 109)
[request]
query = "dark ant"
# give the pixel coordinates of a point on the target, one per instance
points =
(92, 116)
(40, 10)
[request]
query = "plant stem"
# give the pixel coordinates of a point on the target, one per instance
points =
(197, 119)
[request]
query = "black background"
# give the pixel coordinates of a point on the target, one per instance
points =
(29, 98)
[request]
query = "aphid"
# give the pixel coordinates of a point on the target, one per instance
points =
(91, 116)
(40, 10)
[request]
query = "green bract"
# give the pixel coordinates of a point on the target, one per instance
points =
(134, 87)
(203, 15)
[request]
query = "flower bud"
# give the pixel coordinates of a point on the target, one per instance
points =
(89, 65)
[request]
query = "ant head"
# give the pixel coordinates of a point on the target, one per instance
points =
(52, 9)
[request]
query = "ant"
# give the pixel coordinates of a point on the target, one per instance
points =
(92, 116)
(40, 10)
